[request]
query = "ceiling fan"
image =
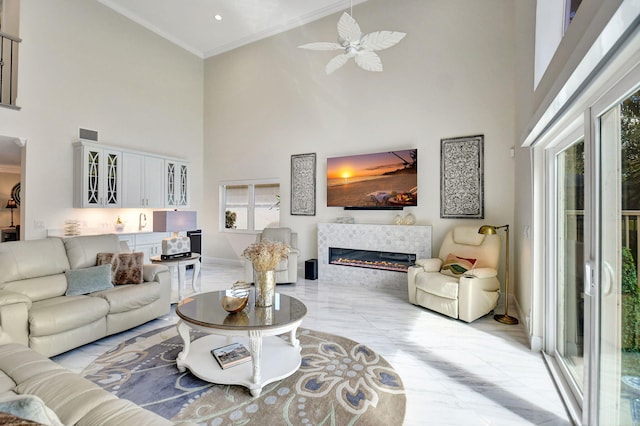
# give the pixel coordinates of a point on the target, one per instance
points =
(354, 45)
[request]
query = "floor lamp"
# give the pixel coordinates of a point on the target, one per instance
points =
(492, 230)
(11, 204)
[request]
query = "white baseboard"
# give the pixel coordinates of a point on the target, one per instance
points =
(222, 261)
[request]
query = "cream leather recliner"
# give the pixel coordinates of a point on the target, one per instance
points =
(466, 295)
(287, 270)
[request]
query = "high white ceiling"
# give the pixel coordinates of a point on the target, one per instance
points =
(191, 23)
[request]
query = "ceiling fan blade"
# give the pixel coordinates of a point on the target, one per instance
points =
(368, 61)
(348, 29)
(323, 45)
(336, 63)
(380, 40)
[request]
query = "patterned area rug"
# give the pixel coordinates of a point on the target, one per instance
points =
(340, 382)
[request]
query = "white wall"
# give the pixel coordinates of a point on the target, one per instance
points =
(452, 75)
(82, 65)
(587, 24)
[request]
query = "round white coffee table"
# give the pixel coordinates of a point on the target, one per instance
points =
(272, 358)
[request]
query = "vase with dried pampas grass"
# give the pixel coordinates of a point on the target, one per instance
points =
(265, 257)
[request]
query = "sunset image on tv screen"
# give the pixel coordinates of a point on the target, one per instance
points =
(385, 179)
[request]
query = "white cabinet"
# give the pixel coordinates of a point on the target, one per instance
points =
(107, 176)
(97, 176)
(143, 181)
(148, 243)
(176, 183)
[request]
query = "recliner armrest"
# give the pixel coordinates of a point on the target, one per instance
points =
(11, 297)
(481, 273)
(151, 271)
(14, 317)
(430, 265)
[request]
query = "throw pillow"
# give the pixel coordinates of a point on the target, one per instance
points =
(88, 280)
(28, 410)
(126, 268)
(7, 419)
(456, 266)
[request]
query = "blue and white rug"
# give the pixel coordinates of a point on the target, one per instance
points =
(340, 382)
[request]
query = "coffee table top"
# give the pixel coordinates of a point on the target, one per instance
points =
(206, 310)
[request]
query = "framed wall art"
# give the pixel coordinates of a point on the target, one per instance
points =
(462, 177)
(303, 184)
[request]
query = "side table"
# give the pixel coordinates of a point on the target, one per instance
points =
(181, 265)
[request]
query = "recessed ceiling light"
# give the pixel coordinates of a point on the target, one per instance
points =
(218, 18)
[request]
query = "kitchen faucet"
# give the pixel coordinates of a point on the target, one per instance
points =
(142, 221)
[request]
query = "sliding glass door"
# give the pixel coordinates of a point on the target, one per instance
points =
(618, 140)
(593, 257)
(569, 256)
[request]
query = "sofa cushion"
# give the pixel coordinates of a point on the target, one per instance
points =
(70, 396)
(438, 284)
(82, 250)
(88, 280)
(39, 288)
(28, 407)
(126, 268)
(124, 298)
(467, 235)
(20, 260)
(59, 314)
(20, 363)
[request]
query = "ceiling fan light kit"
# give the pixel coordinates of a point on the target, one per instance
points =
(362, 48)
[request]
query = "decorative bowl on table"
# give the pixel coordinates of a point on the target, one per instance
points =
(236, 298)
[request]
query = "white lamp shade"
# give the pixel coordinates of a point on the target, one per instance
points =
(174, 221)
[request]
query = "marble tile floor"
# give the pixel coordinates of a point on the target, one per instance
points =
(454, 373)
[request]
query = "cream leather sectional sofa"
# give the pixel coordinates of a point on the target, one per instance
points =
(35, 312)
(30, 379)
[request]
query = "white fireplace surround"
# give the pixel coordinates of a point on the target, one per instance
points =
(386, 238)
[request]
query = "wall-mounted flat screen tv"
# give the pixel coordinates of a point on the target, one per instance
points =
(384, 180)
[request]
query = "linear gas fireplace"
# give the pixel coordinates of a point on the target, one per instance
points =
(386, 239)
(372, 259)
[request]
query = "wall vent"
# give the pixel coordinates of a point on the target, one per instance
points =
(88, 135)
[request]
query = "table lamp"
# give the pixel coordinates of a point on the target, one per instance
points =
(174, 221)
(492, 230)
(11, 204)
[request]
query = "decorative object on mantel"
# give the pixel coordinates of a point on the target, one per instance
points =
(236, 298)
(409, 219)
(11, 204)
(355, 45)
(491, 230)
(15, 193)
(265, 257)
(462, 177)
(303, 184)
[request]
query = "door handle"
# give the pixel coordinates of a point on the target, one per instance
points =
(588, 278)
(608, 276)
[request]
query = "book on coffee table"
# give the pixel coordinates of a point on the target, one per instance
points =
(230, 355)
